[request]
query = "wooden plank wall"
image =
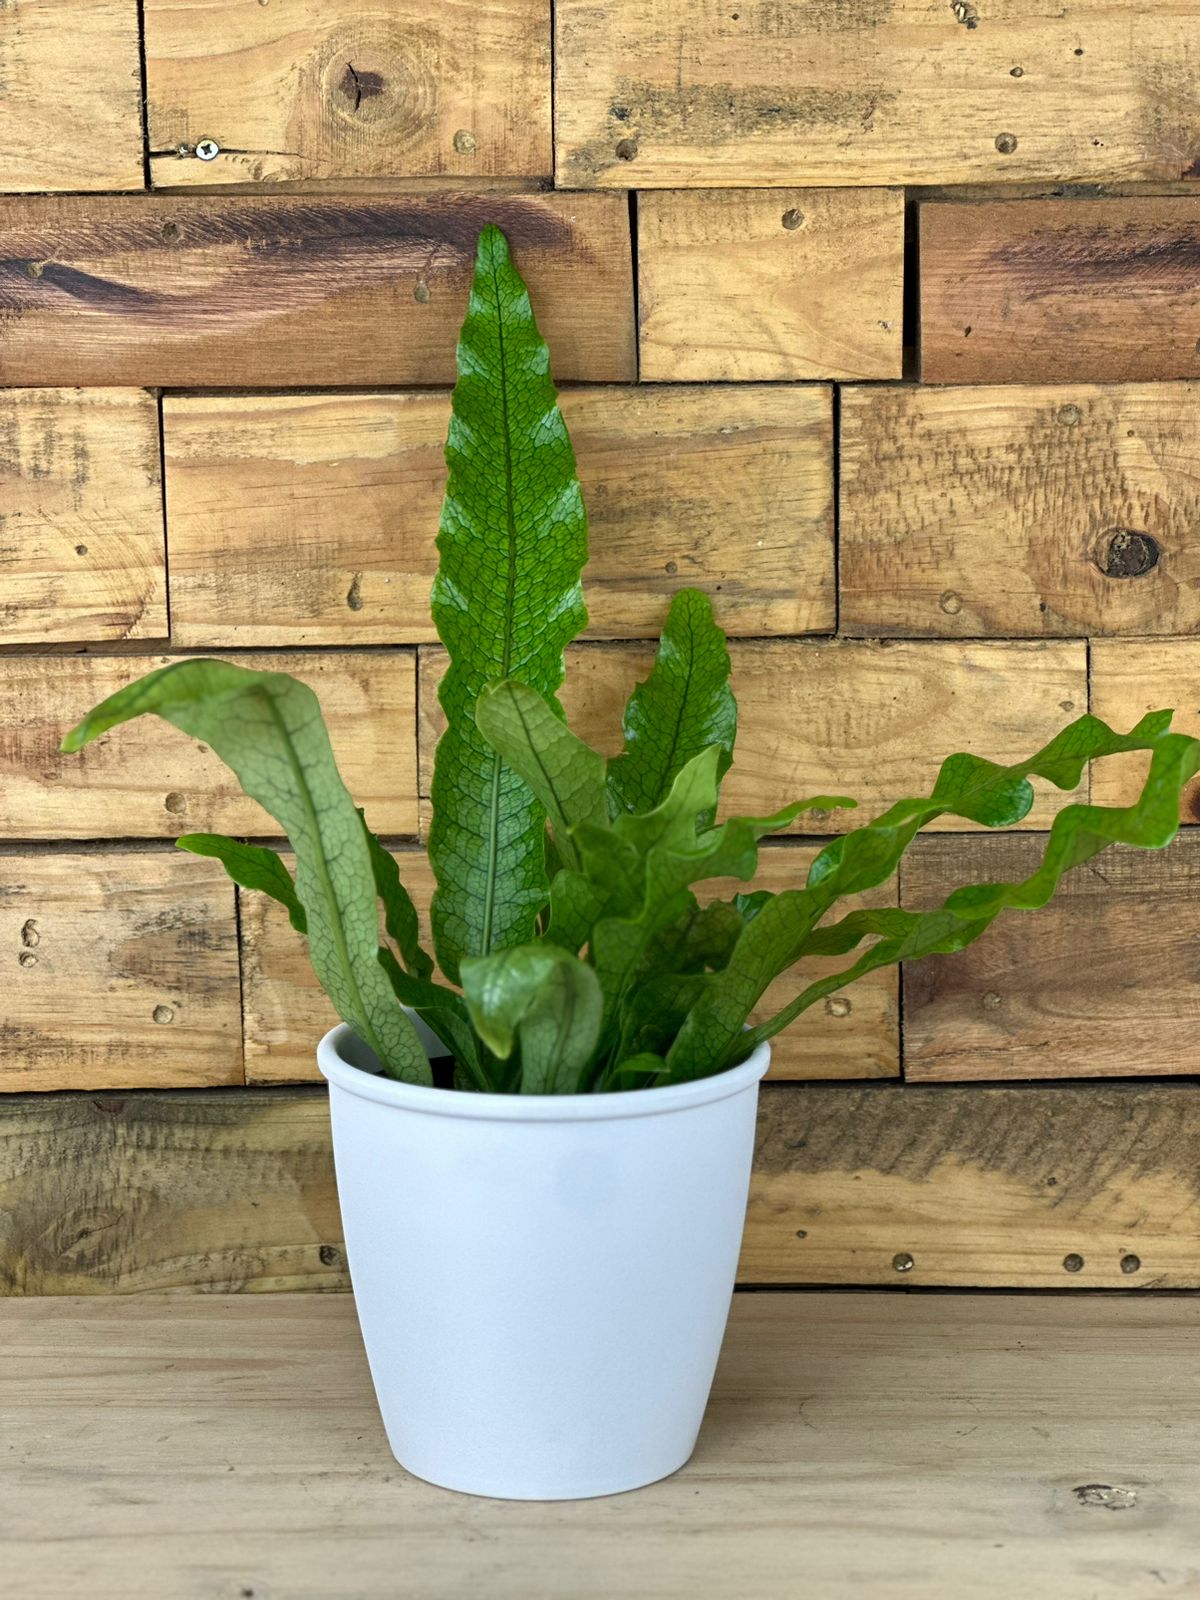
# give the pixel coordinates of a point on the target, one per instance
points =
(881, 323)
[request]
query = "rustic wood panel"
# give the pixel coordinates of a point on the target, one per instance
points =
(123, 972)
(1055, 510)
(1101, 983)
(230, 1189)
(1071, 1186)
(873, 721)
(147, 780)
(850, 1036)
(898, 92)
(260, 290)
(70, 108)
(310, 519)
(980, 1186)
(1129, 679)
(330, 90)
(1060, 291)
(770, 283)
(81, 519)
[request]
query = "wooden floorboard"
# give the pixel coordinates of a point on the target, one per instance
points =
(891, 1446)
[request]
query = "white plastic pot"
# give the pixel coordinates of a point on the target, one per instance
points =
(542, 1281)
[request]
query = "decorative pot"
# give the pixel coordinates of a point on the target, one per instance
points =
(542, 1281)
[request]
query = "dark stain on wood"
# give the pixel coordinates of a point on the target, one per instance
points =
(1100, 259)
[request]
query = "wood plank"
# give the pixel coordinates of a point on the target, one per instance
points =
(320, 90)
(229, 1188)
(1060, 291)
(872, 721)
(150, 781)
(850, 1036)
(81, 530)
(1065, 993)
(179, 290)
(1050, 510)
(829, 93)
(70, 117)
(310, 519)
(770, 283)
(1052, 1434)
(981, 1186)
(124, 972)
(1129, 678)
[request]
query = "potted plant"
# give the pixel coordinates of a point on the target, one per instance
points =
(543, 1154)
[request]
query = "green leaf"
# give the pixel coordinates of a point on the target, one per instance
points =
(399, 913)
(546, 998)
(783, 931)
(565, 774)
(268, 728)
(251, 866)
(442, 1009)
(507, 601)
(684, 706)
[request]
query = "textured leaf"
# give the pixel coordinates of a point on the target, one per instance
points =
(442, 1009)
(565, 774)
(251, 866)
(507, 601)
(268, 728)
(684, 706)
(399, 913)
(782, 931)
(546, 998)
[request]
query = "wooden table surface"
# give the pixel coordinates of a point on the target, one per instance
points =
(879, 1446)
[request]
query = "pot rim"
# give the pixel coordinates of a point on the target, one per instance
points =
(336, 1050)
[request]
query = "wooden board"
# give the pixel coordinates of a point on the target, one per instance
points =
(849, 1036)
(147, 780)
(872, 721)
(1101, 983)
(896, 92)
(122, 972)
(977, 1186)
(908, 1447)
(310, 519)
(290, 291)
(233, 1189)
(770, 283)
(318, 90)
(1054, 510)
(1128, 679)
(82, 556)
(70, 109)
(1060, 291)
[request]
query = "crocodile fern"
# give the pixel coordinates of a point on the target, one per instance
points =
(577, 948)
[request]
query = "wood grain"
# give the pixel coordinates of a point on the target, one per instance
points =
(122, 972)
(260, 290)
(872, 721)
(1101, 983)
(310, 519)
(1060, 291)
(850, 1036)
(333, 90)
(70, 110)
(81, 520)
(1053, 510)
(146, 780)
(233, 1188)
(1130, 678)
(908, 1447)
(979, 1186)
(770, 283)
(890, 91)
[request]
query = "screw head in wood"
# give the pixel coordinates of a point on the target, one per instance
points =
(1073, 1262)
(902, 1261)
(207, 149)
